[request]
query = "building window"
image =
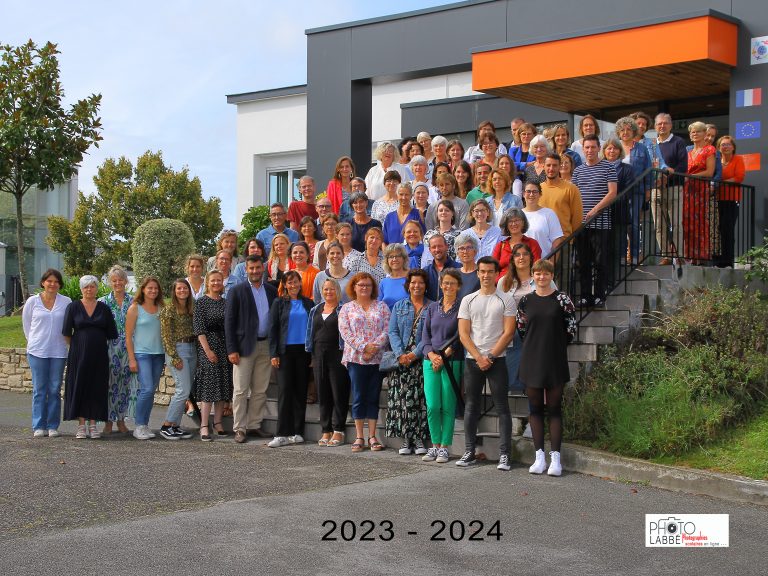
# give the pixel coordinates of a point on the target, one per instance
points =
(283, 185)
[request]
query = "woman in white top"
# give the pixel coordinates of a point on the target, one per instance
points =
(43, 320)
(387, 158)
(194, 267)
(387, 203)
(486, 234)
(543, 223)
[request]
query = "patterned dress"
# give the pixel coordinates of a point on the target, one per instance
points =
(406, 403)
(697, 207)
(123, 384)
(213, 382)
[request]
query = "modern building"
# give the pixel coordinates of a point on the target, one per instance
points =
(444, 69)
(37, 205)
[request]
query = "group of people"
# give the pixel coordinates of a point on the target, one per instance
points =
(433, 273)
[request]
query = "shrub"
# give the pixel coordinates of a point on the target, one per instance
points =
(679, 383)
(757, 258)
(253, 221)
(160, 248)
(71, 288)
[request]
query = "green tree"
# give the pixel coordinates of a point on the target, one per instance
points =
(104, 224)
(41, 143)
(255, 219)
(160, 248)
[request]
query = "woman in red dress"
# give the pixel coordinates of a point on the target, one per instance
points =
(696, 216)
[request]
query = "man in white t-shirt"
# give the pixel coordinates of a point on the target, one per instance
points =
(486, 327)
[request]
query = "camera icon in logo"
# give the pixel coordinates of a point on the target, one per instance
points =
(671, 524)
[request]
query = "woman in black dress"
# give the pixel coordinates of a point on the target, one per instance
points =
(213, 375)
(88, 324)
(547, 323)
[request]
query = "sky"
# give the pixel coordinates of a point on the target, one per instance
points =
(164, 68)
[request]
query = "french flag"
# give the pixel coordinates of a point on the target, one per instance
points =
(751, 97)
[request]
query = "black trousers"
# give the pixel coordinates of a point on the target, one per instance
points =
(292, 378)
(332, 380)
(728, 212)
(597, 261)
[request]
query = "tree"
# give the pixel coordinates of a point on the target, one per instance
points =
(104, 224)
(41, 143)
(255, 219)
(160, 248)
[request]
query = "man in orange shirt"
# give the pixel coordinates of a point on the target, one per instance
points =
(561, 196)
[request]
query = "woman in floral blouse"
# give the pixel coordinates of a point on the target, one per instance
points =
(363, 325)
(179, 344)
(123, 386)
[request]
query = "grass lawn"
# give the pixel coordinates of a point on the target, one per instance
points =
(742, 450)
(11, 334)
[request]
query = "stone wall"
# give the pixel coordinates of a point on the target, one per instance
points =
(15, 375)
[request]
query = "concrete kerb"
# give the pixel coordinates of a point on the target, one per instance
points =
(602, 464)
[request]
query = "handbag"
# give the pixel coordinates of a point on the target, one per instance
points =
(388, 362)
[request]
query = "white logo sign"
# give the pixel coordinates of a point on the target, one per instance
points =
(686, 531)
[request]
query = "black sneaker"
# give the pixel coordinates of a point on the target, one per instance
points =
(169, 433)
(181, 433)
(467, 460)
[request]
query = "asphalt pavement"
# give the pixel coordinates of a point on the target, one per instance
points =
(120, 506)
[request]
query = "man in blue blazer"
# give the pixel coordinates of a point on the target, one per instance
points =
(245, 330)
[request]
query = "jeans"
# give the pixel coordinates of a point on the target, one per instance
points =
(47, 374)
(366, 389)
(474, 382)
(183, 379)
(512, 360)
(150, 369)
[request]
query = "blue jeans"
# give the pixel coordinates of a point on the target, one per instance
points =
(512, 359)
(366, 389)
(150, 370)
(47, 374)
(183, 379)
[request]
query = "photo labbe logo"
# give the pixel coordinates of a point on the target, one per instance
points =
(686, 530)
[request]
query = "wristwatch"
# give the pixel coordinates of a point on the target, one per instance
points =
(490, 357)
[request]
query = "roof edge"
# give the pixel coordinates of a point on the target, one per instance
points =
(267, 94)
(605, 29)
(391, 17)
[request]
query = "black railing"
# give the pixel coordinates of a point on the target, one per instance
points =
(660, 218)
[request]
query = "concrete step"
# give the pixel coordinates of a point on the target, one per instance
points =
(638, 287)
(599, 317)
(596, 334)
(625, 302)
(653, 273)
(581, 352)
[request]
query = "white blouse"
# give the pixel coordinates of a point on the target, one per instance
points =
(42, 327)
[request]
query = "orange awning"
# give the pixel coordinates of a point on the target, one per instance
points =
(686, 58)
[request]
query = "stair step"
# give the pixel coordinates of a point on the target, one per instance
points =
(582, 352)
(622, 302)
(653, 273)
(596, 334)
(606, 318)
(638, 287)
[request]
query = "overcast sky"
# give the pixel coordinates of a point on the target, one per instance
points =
(164, 68)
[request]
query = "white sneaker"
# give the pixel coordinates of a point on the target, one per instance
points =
(419, 448)
(38, 434)
(81, 432)
(278, 441)
(442, 455)
(540, 465)
(93, 431)
(140, 433)
(555, 469)
(430, 456)
(296, 439)
(148, 432)
(504, 463)
(53, 433)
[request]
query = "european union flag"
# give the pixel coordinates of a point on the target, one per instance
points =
(746, 130)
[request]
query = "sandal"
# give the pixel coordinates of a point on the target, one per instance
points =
(205, 437)
(337, 439)
(221, 432)
(324, 439)
(358, 445)
(374, 444)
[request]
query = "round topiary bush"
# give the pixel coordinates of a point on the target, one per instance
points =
(159, 248)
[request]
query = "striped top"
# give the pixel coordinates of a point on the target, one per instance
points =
(593, 185)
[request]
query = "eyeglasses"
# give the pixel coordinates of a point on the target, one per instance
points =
(391, 256)
(531, 191)
(465, 248)
(521, 255)
(276, 214)
(358, 285)
(324, 206)
(515, 221)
